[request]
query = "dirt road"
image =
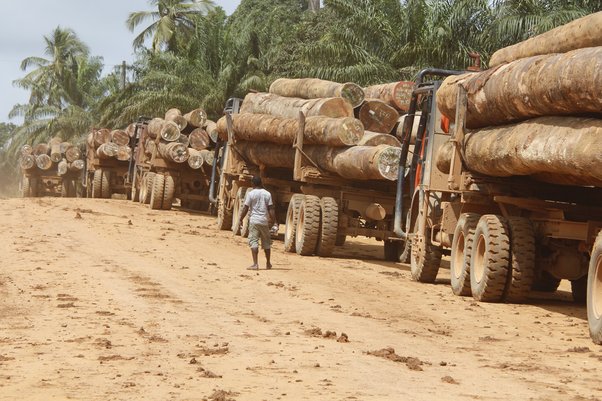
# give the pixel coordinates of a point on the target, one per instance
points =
(106, 300)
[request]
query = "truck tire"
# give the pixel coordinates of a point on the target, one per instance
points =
(329, 225)
(341, 238)
(34, 187)
(460, 253)
(594, 292)
(156, 198)
(522, 259)
(490, 259)
(579, 290)
(25, 187)
(546, 283)
(142, 190)
(236, 210)
(150, 180)
(224, 216)
(105, 189)
(168, 192)
(97, 184)
(308, 226)
(424, 263)
(67, 188)
(292, 217)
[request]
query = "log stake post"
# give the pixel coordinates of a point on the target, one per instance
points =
(457, 139)
(300, 155)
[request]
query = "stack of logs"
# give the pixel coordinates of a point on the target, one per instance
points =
(54, 156)
(183, 138)
(346, 134)
(536, 112)
(111, 144)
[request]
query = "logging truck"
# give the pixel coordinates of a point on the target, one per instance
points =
(163, 172)
(506, 235)
(319, 208)
(38, 183)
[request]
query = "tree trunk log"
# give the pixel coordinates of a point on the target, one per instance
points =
(43, 162)
(211, 128)
(184, 140)
(199, 139)
(401, 122)
(558, 84)
(173, 151)
(171, 113)
(268, 103)
(196, 118)
(27, 162)
(335, 132)
(41, 149)
(578, 34)
(313, 88)
(120, 137)
(378, 116)
(26, 150)
(356, 162)
(55, 152)
(395, 94)
(101, 136)
(62, 167)
(154, 127)
(76, 165)
(124, 153)
(208, 156)
(65, 146)
(562, 150)
(196, 159)
(107, 150)
(375, 139)
(72, 153)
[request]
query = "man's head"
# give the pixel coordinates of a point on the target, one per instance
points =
(256, 181)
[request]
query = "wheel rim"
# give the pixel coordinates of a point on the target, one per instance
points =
(597, 289)
(300, 223)
(479, 259)
(458, 262)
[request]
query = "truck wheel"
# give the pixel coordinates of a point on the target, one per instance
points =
(224, 216)
(168, 192)
(292, 217)
(594, 292)
(25, 187)
(579, 290)
(34, 187)
(522, 261)
(308, 225)
(67, 188)
(546, 283)
(142, 189)
(490, 259)
(134, 194)
(238, 205)
(329, 224)
(150, 180)
(156, 198)
(105, 189)
(425, 259)
(341, 239)
(97, 184)
(460, 253)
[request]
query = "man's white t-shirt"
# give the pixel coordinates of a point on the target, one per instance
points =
(258, 200)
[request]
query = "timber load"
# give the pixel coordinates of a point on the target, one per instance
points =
(313, 88)
(106, 144)
(395, 94)
(55, 157)
(539, 116)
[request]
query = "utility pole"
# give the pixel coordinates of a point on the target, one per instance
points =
(123, 75)
(314, 5)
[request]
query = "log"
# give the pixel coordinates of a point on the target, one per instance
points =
(41, 149)
(195, 159)
(175, 116)
(184, 140)
(375, 139)
(208, 156)
(395, 94)
(76, 165)
(170, 131)
(65, 146)
(43, 162)
(55, 152)
(269, 103)
(563, 150)
(150, 147)
(120, 137)
(101, 136)
(27, 162)
(154, 127)
(313, 88)
(401, 122)
(55, 141)
(356, 162)
(580, 33)
(335, 132)
(107, 150)
(211, 128)
(196, 118)
(558, 84)
(62, 167)
(90, 140)
(131, 130)
(72, 153)
(378, 116)
(199, 139)
(124, 153)
(26, 150)
(173, 151)
(171, 113)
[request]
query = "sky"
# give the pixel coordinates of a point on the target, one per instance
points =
(99, 24)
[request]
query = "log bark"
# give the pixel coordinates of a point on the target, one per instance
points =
(195, 159)
(184, 140)
(124, 153)
(76, 165)
(131, 130)
(335, 132)
(562, 150)
(120, 137)
(356, 162)
(26, 150)
(313, 88)
(55, 152)
(171, 113)
(211, 128)
(199, 139)
(269, 103)
(65, 146)
(173, 151)
(55, 141)
(27, 162)
(62, 167)
(208, 156)
(170, 131)
(154, 127)
(375, 139)
(72, 153)
(378, 116)
(196, 118)
(41, 149)
(395, 94)
(101, 136)
(558, 84)
(401, 122)
(580, 33)
(107, 150)
(43, 162)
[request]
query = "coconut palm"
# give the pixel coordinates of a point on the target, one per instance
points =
(173, 22)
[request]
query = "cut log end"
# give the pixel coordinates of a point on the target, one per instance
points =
(353, 93)
(388, 162)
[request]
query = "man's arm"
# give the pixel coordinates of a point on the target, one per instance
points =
(272, 215)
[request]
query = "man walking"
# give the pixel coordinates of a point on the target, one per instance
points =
(258, 202)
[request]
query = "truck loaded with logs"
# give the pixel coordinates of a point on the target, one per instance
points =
(50, 169)
(173, 160)
(329, 176)
(514, 188)
(108, 153)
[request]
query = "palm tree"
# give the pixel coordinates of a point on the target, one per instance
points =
(172, 22)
